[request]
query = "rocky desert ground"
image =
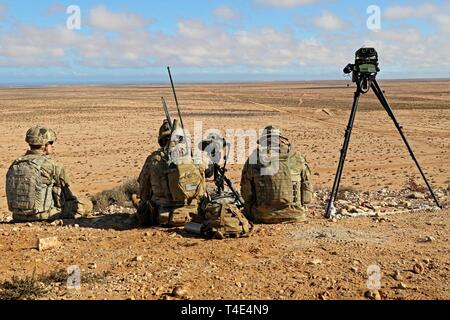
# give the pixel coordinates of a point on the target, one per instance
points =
(106, 132)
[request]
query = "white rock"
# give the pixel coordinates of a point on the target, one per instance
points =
(427, 239)
(416, 195)
(315, 261)
(373, 295)
(47, 243)
(179, 292)
(401, 285)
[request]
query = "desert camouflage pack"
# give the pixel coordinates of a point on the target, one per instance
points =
(280, 193)
(221, 218)
(25, 190)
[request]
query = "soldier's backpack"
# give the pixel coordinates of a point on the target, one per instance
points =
(221, 218)
(281, 195)
(25, 190)
(186, 182)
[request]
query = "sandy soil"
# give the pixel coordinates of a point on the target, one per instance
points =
(106, 132)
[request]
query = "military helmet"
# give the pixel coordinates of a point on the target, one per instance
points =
(271, 132)
(213, 143)
(40, 136)
(52, 135)
(164, 131)
(212, 137)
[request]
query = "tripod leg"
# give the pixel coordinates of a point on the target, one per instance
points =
(348, 133)
(379, 93)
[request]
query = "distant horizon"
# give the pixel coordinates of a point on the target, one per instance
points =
(37, 84)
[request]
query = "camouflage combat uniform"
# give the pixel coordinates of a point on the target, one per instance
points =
(280, 196)
(158, 204)
(56, 200)
(153, 180)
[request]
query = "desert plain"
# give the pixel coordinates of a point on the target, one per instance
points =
(105, 134)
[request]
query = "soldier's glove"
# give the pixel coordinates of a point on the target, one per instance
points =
(135, 200)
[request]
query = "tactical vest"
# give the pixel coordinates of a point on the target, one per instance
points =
(281, 195)
(280, 189)
(25, 191)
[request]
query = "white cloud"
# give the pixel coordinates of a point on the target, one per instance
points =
(226, 13)
(132, 49)
(262, 48)
(443, 20)
(404, 49)
(329, 21)
(405, 12)
(427, 9)
(440, 15)
(285, 3)
(197, 45)
(33, 46)
(194, 29)
(102, 18)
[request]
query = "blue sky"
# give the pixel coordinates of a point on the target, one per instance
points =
(133, 41)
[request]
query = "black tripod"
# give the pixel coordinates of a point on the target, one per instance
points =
(380, 95)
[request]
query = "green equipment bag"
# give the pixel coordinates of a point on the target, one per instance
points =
(282, 196)
(25, 190)
(221, 219)
(186, 182)
(178, 217)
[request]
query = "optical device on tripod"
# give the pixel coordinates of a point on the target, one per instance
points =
(213, 145)
(365, 68)
(364, 72)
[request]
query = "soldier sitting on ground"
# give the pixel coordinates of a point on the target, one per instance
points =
(171, 183)
(37, 187)
(275, 181)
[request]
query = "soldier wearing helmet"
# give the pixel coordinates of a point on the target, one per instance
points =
(149, 177)
(275, 182)
(170, 184)
(37, 187)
